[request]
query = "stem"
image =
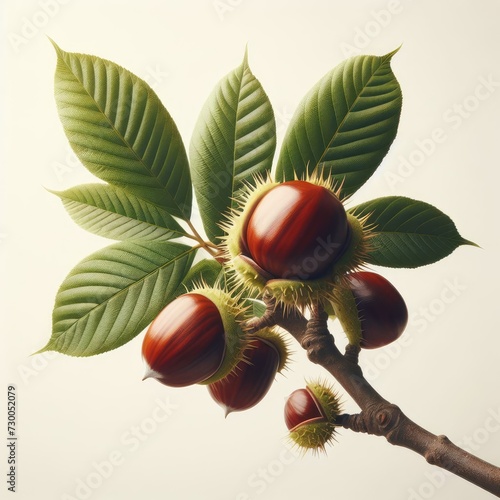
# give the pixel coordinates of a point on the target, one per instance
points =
(377, 416)
(207, 245)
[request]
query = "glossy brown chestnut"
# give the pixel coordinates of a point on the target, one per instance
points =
(251, 379)
(301, 407)
(185, 344)
(381, 309)
(297, 230)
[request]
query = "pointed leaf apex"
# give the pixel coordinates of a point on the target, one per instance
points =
(471, 243)
(52, 191)
(42, 350)
(58, 49)
(245, 57)
(394, 52)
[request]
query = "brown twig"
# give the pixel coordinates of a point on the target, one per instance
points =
(377, 416)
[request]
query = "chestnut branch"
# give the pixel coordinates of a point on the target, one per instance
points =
(378, 416)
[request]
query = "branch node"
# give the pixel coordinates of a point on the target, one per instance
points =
(354, 422)
(434, 455)
(352, 353)
(381, 419)
(317, 340)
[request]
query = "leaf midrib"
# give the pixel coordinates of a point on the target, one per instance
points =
(110, 213)
(383, 61)
(114, 216)
(233, 176)
(389, 208)
(123, 290)
(122, 138)
(428, 235)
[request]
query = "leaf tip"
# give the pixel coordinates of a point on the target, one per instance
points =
(391, 54)
(463, 241)
(48, 347)
(54, 44)
(51, 191)
(245, 57)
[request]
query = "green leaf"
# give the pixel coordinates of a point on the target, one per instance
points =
(258, 307)
(113, 294)
(408, 233)
(234, 139)
(121, 132)
(207, 271)
(114, 213)
(345, 125)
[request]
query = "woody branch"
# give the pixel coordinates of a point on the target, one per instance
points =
(377, 416)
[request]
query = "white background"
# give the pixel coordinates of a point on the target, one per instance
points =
(73, 414)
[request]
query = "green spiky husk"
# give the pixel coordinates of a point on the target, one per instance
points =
(249, 196)
(232, 313)
(313, 436)
(355, 254)
(278, 342)
(327, 398)
(341, 300)
(346, 311)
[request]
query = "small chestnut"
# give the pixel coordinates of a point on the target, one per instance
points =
(302, 408)
(381, 309)
(311, 414)
(252, 377)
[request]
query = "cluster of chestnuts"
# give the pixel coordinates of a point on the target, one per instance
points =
(198, 339)
(295, 241)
